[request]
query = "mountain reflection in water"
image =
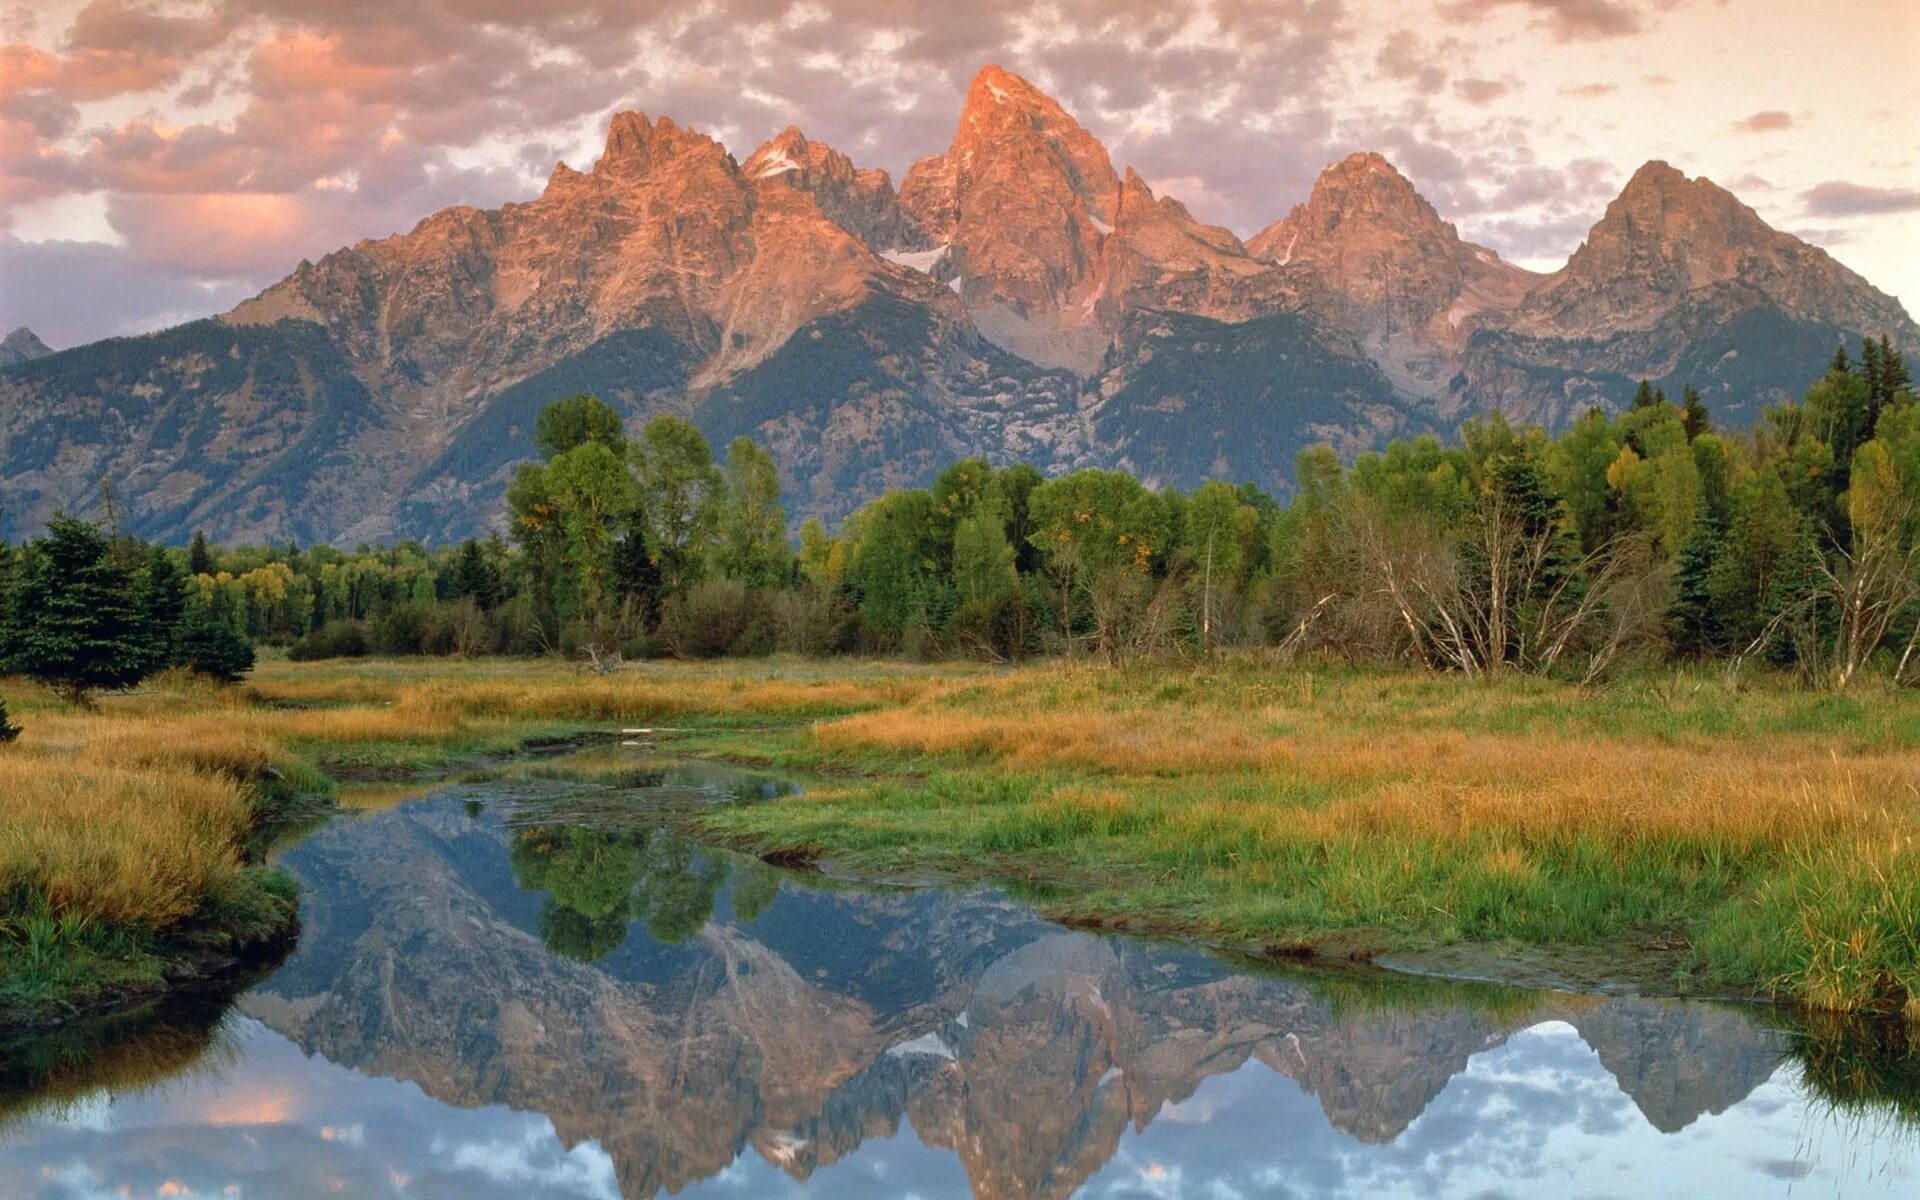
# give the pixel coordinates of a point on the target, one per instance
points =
(504, 991)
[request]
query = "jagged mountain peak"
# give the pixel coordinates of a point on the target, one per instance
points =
(1360, 197)
(860, 200)
(995, 87)
(1412, 287)
(1023, 197)
(636, 145)
(1668, 240)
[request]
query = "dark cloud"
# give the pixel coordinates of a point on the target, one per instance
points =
(1773, 120)
(1838, 198)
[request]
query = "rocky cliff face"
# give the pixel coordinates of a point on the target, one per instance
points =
(1018, 298)
(1022, 199)
(1404, 280)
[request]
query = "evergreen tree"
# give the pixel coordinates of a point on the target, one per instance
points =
(1894, 378)
(1693, 413)
(209, 644)
(8, 730)
(1803, 619)
(636, 572)
(1643, 396)
(71, 619)
(1694, 627)
(1871, 374)
(1840, 364)
(200, 555)
(160, 591)
(475, 574)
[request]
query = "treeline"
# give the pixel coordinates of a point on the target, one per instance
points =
(1633, 537)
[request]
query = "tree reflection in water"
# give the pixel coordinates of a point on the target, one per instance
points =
(599, 881)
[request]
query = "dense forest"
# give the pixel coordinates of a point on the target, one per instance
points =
(1627, 538)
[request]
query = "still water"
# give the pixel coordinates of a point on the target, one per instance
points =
(516, 987)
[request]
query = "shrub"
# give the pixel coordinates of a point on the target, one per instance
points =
(335, 639)
(708, 619)
(8, 730)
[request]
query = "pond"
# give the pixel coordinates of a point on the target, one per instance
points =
(517, 987)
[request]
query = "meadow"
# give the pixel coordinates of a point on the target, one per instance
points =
(1737, 833)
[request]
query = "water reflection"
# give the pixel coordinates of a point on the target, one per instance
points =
(515, 989)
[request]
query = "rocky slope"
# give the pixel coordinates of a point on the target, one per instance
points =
(1019, 297)
(1410, 287)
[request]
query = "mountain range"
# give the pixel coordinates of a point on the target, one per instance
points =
(1016, 297)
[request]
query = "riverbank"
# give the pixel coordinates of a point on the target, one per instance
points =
(1722, 835)
(125, 870)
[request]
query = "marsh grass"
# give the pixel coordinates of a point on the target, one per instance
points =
(1771, 830)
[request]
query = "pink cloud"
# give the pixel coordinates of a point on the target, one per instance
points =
(1771, 121)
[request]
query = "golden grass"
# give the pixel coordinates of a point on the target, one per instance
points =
(137, 844)
(1437, 782)
(1117, 742)
(1780, 828)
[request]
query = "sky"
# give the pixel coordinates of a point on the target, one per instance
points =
(161, 160)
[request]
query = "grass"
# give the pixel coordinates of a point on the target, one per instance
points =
(1755, 835)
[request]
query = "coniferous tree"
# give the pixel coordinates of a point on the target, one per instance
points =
(1643, 396)
(200, 555)
(1694, 625)
(636, 573)
(475, 574)
(209, 645)
(71, 619)
(160, 591)
(1693, 413)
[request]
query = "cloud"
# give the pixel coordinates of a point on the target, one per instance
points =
(1773, 120)
(1565, 20)
(1838, 198)
(1404, 58)
(1588, 91)
(72, 292)
(1480, 91)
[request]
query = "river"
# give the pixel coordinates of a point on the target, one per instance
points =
(519, 985)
